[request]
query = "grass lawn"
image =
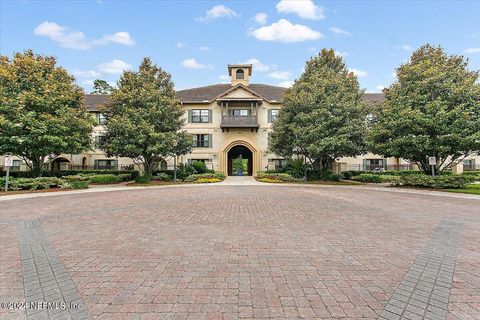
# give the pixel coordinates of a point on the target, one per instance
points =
(470, 189)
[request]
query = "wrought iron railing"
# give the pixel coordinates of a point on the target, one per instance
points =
(239, 121)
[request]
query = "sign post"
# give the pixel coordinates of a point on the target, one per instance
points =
(432, 161)
(7, 163)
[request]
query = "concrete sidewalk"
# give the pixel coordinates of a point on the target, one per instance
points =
(240, 181)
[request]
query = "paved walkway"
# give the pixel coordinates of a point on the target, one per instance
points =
(240, 181)
(241, 251)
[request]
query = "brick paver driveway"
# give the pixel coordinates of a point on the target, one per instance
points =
(241, 252)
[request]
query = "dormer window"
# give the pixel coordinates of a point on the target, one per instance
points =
(240, 74)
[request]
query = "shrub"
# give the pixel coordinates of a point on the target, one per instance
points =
(351, 173)
(200, 167)
(368, 177)
(324, 176)
(295, 167)
(395, 180)
(105, 178)
(207, 180)
(79, 184)
(276, 177)
(143, 179)
(185, 170)
(161, 176)
(35, 183)
(76, 178)
(194, 177)
(437, 182)
(28, 174)
(401, 172)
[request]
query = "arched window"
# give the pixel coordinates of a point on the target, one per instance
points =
(240, 74)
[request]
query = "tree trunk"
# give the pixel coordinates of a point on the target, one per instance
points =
(37, 166)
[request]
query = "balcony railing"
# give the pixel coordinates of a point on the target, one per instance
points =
(239, 122)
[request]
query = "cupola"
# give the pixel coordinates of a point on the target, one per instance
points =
(240, 73)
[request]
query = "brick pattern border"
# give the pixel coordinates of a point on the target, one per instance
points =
(425, 290)
(45, 278)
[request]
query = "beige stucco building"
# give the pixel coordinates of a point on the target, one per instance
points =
(227, 121)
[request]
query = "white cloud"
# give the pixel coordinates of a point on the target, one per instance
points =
(342, 54)
(219, 11)
(88, 82)
(113, 67)
(279, 75)
(358, 73)
(258, 65)
(260, 18)
(286, 84)
(72, 39)
(305, 9)
(406, 47)
(473, 50)
(340, 32)
(193, 64)
(181, 44)
(86, 73)
(119, 37)
(286, 32)
(204, 48)
(380, 87)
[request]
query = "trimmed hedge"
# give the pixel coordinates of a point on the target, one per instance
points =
(36, 183)
(28, 174)
(79, 184)
(368, 178)
(162, 176)
(104, 178)
(437, 182)
(207, 180)
(276, 177)
(195, 177)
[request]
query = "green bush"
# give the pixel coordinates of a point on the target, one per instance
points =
(79, 184)
(347, 175)
(368, 177)
(28, 174)
(282, 177)
(395, 180)
(401, 172)
(143, 179)
(195, 177)
(200, 167)
(76, 178)
(161, 176)
(437, 182)
(35, 183)
(207, 180)
(104, 178)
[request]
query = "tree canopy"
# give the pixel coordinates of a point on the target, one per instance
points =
(41, 110)
(143, 118)
(432, 109)
(323, 117)
(101, 87)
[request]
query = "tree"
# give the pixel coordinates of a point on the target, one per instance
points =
(323, 117)
(41, 110)
(143, 118)
(101, 87)
(433, 109)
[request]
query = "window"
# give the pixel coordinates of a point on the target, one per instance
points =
(279, 163)
(200, 116)
(100, 118)
(273, 115)
(202, 140)
(469, 164)
(99, 141)
(16, 165)
(240, 112)
(240, 74)
(106, 164)
(372, 164)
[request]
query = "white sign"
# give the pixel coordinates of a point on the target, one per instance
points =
(432, 161)
(8, 161)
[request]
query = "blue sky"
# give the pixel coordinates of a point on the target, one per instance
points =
(195, 40)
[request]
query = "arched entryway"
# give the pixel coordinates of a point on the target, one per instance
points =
(247, 149)
(60, 164)
(240, 161)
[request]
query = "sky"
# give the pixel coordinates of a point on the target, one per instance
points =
(195, 40)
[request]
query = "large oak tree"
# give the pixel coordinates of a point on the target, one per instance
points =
(433, 109)
(41, 110)
(323, 117)
(144, 118)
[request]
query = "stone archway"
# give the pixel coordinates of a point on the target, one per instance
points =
(245, 149)
(60, 163)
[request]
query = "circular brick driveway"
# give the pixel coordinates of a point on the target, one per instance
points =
(228, 252)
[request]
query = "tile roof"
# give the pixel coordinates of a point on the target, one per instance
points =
(210, 93)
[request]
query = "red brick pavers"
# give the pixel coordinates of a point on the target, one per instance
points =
(229, 252)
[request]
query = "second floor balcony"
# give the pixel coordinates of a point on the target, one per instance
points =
(231, 121)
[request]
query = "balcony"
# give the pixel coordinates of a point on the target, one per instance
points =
(250, 122)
